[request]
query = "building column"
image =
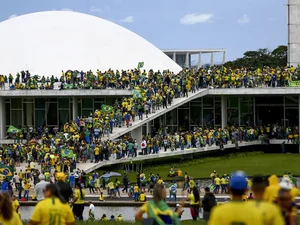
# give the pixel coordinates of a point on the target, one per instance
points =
(2, 119)
(224, 57)
(299, 117)
(212, 59)
(187, 60)
(75, 108)
(174, 56)
(29, 114)
(136, 134)
(199, 61)
(148, 128)
(224, 111)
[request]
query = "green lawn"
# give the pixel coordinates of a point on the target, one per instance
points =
(260, 164)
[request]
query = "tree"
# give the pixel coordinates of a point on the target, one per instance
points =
(260, 58)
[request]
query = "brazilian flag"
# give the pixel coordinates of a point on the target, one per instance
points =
(140, 65)
(13, 130)
(6, 171)
(68, 86)
(137, 94)
(66, 153)
(107, 108)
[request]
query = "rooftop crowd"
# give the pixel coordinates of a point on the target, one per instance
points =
(217, 76)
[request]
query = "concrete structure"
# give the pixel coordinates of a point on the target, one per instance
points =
(183, 57)
(207, 107)
(89, 167)
(45, 43)
(294, 32)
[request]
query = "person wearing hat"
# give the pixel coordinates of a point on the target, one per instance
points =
(236, 211)
(271, 212)
(64, 188)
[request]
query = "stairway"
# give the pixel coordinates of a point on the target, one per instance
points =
(117, 132)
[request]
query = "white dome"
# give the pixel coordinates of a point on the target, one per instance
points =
(46, 43)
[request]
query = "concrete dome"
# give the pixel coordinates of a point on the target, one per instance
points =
(47, 42)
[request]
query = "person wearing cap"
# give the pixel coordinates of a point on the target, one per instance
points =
(236, 211)
(64, 188)
(271, 213)
(40, 187)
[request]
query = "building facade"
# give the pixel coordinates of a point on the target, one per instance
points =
(217, 109)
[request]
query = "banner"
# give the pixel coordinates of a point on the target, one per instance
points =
(66, 153)
(6, 171)
(295, 83)
(140, 65)
(106, 108)
(137, 94)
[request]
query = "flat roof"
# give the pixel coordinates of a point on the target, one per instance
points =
(194, 50)
(117, 92)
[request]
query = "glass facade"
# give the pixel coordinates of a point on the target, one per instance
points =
(205, 111)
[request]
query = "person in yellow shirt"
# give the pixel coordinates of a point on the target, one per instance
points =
(271, 191)
(78, 205)
(27, 186)
(223, 185)
(217, 183)
(7, 214)
(52, 210)
(194, 199)
(136, 193)
(270, 212)
(101, 197)
(143, 197)
(16, 205)
(236, 211)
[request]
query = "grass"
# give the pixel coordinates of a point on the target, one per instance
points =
(262, 164)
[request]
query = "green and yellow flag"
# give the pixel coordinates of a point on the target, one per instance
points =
(140, 65)
(107, 108)
(66, 153)
(137, 94)
(6, 171)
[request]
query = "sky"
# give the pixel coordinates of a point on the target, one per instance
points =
(236, 25)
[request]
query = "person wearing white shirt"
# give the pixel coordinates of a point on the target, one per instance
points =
(40, 187)
(91, 211)
(16, 180)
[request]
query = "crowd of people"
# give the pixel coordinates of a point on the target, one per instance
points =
(62, 150)
(216, 76)
(257, 195)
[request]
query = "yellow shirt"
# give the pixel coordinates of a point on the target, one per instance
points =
(235, 212)
(192, 199)
(80, 200)
(136, 189)
(15, 220)
(295, 192)
(15, 205)
(142, 197)
(101, 198)
(97, 151)
(52, 211)
(271, 213)
(27, 187)
(217, 181)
